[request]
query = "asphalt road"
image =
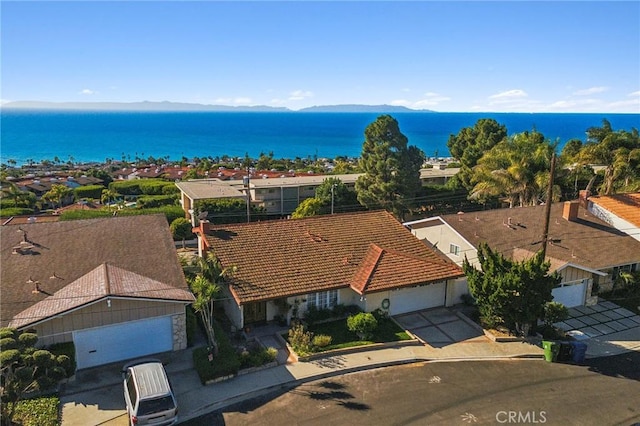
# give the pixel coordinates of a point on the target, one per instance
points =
(604, 392)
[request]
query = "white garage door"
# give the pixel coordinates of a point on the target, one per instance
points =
(416, 298)
(112, 343)
(570, 295)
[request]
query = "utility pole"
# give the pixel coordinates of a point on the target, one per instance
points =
(547, 209)
(246, 188)
(332, 187)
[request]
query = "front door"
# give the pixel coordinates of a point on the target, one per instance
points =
(255, 312)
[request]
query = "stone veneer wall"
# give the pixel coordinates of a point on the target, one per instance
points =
(179, 326)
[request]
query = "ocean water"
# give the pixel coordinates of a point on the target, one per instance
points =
(85, 136)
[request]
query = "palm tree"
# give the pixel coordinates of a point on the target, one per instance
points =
(107, 196)
(16, 194)
(618, 151)
(206, 286)
(516, 168)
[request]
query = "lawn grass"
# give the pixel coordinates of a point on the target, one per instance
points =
(341, 337)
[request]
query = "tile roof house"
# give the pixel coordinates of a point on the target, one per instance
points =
(622, 211)
(92, 282)
(368, 259)
(582, 248)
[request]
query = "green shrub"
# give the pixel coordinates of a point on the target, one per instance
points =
(89, 191)
(321, 341)
(171, 212)
(555, 312)
(226, 363)
(313, 314)
(126, 187)
(151, 201)
(363, 324)
(341, 310)
(170, 189)
(154, 186)
(300, 339)
(66, 356)
(15, 211)
(257, 356)
(38, 412)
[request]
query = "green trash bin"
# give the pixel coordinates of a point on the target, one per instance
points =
(551, 350)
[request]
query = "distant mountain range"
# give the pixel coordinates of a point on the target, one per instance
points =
(179, 106)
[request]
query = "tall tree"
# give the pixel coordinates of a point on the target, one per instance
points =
(391, 168)
(309, 207)
(618, 151)
(181, 229)
(509, 292)
(470, 144)
(516, 168)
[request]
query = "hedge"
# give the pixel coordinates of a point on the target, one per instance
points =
(89, 191)
(151, 201)
(171, 213)
(140, 186)
(226, 210)
(15, 211)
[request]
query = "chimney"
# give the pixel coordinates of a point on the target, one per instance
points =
(583, 196)
(570, 210)
(205, 227)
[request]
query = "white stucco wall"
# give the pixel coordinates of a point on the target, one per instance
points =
(615, 221)
(438, 233)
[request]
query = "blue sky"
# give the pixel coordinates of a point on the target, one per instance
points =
(446, 56)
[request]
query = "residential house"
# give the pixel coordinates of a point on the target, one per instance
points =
(205, 189)
(112, 286)
(439, 174)
(583, 249)
(622, 211)
(368, 259)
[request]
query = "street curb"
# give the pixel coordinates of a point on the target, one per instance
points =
(294, 383)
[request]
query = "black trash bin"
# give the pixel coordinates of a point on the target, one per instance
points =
(579, 351)
(565, 352)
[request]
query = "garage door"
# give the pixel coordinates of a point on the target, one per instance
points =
(416, 298)
(571, 294)
(112, 343)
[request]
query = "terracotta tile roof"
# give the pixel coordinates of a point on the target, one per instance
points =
(105, 280)
(370, 251)
(59, 253)
(385, 269)
(625, 206)
(585, 241)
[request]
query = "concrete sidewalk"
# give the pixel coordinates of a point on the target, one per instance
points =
(95, 397)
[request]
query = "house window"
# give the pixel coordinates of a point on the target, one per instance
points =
(323, 299)
(454, 249)
(625, 268)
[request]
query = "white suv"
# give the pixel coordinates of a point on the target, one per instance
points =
(148, 394)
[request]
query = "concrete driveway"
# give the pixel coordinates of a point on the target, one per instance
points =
(440, 327)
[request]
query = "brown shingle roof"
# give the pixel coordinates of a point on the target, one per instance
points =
(104, 280)
(625, 206)
(370, 251)
(586, 241)
(63, 252)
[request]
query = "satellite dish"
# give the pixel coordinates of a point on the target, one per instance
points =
(203, 215)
